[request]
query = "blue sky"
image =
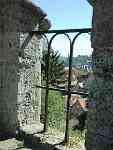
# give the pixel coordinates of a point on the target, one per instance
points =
(68, 14)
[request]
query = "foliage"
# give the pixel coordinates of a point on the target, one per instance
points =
(56, 112)
(56, 67)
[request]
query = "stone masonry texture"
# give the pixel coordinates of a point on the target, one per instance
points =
(100, 115)
(19, 62)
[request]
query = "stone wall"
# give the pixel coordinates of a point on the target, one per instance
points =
(19, 59)
(29, 97)
(100, 112)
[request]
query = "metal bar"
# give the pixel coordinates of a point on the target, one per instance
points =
(83, 30)
(69, 88)
(69, 96)
(47, 90)
(47, 84)
(62, 90)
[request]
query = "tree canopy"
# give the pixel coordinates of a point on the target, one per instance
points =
(56, 66)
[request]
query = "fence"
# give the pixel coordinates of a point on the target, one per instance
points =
(48, 87)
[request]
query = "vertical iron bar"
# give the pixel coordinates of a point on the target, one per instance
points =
(69, 88)
(47, 89)
(47, 84)
(69, 96)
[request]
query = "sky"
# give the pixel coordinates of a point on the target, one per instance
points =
(68, 14)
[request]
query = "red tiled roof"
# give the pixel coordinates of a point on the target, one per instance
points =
(77, 100)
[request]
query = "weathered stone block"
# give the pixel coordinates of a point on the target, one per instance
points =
(19, 56)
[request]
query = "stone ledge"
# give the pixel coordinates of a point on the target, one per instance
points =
(11, 144)
(51, 140)
(32, 128)
(33, 138)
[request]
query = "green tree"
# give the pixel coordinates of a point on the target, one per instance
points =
(56, 67)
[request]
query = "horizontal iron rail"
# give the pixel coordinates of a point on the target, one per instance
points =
(62, 90)
(82, 30)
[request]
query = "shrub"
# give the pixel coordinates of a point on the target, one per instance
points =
(56, 112)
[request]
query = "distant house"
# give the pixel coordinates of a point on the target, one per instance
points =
(87, 67)
(75, 73)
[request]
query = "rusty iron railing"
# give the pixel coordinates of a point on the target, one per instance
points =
(69, 91)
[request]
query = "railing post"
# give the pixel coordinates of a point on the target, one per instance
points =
(47, 88)
(69, 95)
